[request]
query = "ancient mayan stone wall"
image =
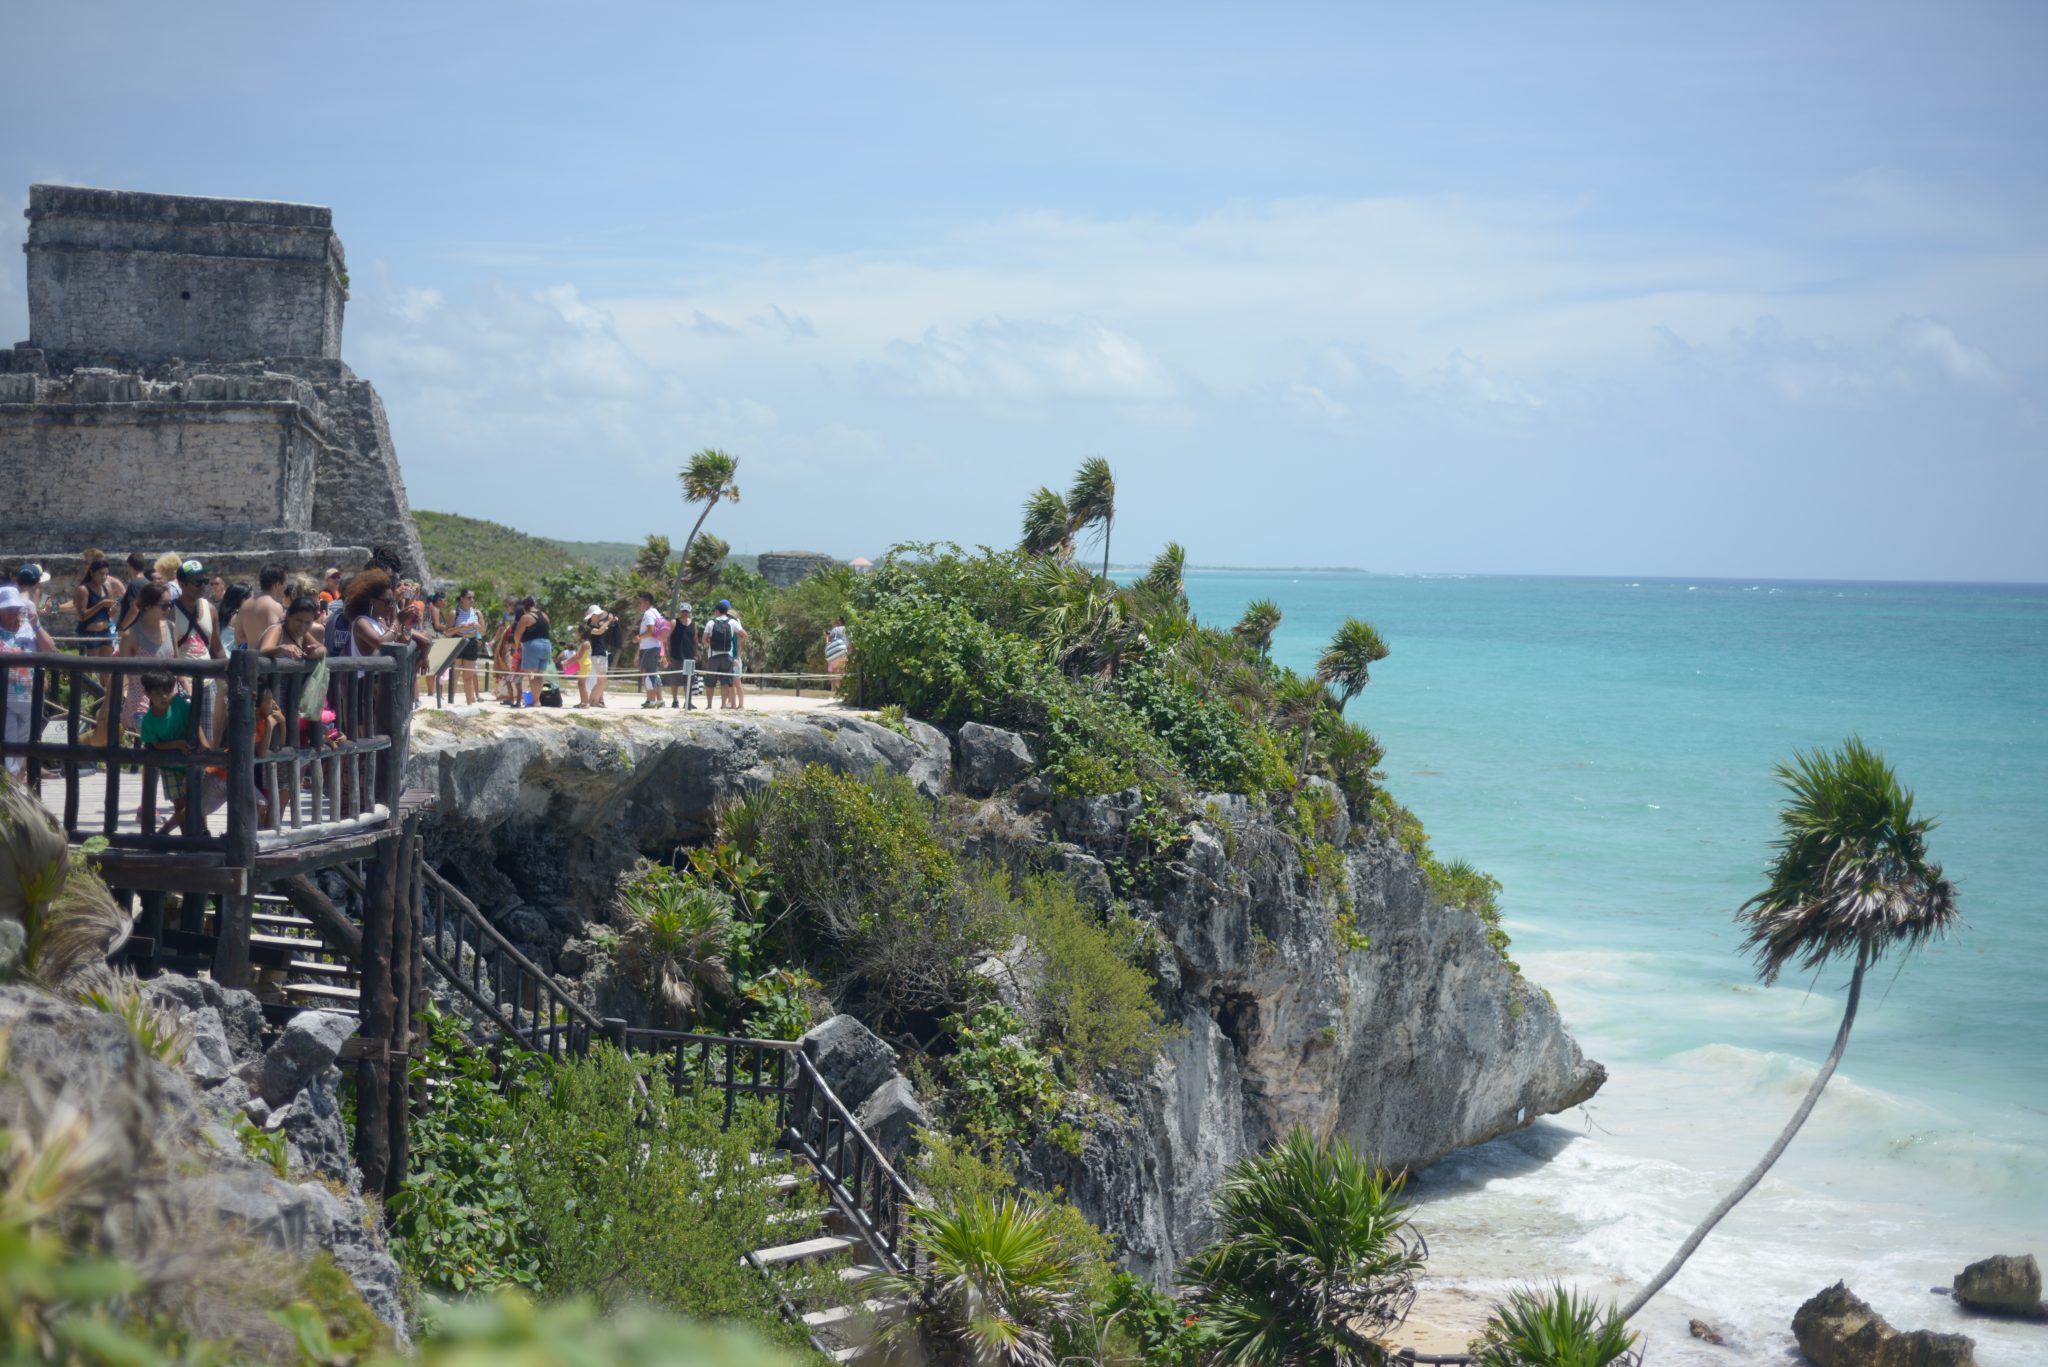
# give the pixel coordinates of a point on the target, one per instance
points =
(113, 274)
(182, 384)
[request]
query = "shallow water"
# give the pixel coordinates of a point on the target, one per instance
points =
(1605, 748)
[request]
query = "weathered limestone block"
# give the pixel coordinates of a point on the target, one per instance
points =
(2003, 1283)
(991, 758)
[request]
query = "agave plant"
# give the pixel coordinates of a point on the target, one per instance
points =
(1553, 1328)
(69, 921)
(1000, 1288)
(677, 944)
(1851, 880)
(1314, 1254)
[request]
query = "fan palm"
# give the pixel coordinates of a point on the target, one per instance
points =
(1851, 879)
(705, 560)
(1000, 1287)
(1092, 501)
(1261, 619)
(650, 563)
(1046, 529)
(707, 477)
(677, 944)
(1313, 1246)
(1553, 1329)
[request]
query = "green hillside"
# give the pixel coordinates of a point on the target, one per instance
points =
(469, 550)
(606, 555)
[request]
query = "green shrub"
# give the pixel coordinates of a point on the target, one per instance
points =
(1216, 748)
(459, 1223)
(936, 660)
(1005, 1089)
(1162, 1331)
(657, 1209)
(954, 1172)
(1094, 998)
(799, 616)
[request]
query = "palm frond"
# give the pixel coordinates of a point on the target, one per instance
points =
(1851, 872)
(999, 1288)
(1554, 1328)
(1256, 627)
(1046, 529)
(709, 476)
(1346, 662)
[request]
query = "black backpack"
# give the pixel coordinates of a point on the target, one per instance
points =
(721, 636)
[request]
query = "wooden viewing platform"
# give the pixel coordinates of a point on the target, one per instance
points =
(321, 788)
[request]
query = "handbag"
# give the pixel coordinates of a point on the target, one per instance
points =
(314, 699)
(551, 697)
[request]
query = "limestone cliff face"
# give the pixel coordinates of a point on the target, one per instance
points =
(1422, 1043)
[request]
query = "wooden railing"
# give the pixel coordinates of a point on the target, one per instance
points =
(312, 779)
(526, 1004)
(869, 1194)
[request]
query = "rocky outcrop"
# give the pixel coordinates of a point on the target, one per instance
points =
(1837, 1329)
(172, 1137)
(1320, 986)
(1350, 1003)
(861, 1071)
(991, 758)
(2003, 1284)
(539, 813)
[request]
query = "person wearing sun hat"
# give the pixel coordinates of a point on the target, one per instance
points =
(595, 633)
(18, 636)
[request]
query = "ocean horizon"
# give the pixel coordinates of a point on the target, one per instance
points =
(1604, 745)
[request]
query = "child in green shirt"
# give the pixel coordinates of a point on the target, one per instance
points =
(163, 726)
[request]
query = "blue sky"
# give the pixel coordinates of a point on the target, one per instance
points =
(1743, 290)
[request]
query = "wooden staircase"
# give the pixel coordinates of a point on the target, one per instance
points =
(842, 1203)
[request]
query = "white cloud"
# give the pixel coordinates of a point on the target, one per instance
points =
(1005, 359)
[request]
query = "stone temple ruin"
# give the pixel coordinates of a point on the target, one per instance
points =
(182, 388)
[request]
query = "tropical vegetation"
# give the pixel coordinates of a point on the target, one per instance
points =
(1313, 1256)
(1553, 1328)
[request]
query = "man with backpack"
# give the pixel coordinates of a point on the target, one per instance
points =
(723, 637)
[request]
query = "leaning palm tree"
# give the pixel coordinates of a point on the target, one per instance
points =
(650, 562)
(1313, 1256)
(1046, 529)
(1092, 500)
(1344, 668)
(707, 477)
(705, 561)
(1851, 880)
(1000, 1288)
(1168, 575)
(1261, 619)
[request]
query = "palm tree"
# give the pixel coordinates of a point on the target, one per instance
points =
(1168, 575)
(1551, 1329)
(705, 561)
(677, 944)
(1046, 529)
(1001, 1288)
(651, 562)
(1313, 1248)
(1851, 878)
(1092, 500)
(1261, 619)
(707, 477)
(1344, 668)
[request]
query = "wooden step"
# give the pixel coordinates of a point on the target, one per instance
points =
(325, 991)
(278, 918)
(840, 1314)
(322, 970)
(823, 1246)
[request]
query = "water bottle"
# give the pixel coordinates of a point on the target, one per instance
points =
(528, 695)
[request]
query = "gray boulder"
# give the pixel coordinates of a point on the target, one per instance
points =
(991, 758)
(1837, 1329)
(2004, 1283)
(208, 1057)
(891, 1116)
(311, 1042)
(851, 1058)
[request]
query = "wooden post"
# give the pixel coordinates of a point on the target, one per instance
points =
(373, 1075)
(394, 719)
(615, 1032)
(404, 924)
(231, 943)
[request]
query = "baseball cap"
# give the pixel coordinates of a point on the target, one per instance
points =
(31, 573)
(10, 597)
(725, 605)
(684, 610)
(190, 568)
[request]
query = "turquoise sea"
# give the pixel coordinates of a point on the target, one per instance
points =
(1605, 747)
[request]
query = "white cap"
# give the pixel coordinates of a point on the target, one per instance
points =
(10, 597)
